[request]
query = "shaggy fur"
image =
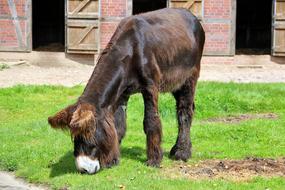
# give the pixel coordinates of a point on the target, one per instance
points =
(62, 119)
(82, 119)
(154, 52)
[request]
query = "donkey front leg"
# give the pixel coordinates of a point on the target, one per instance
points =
(120, 122)
(120, 118)
(152, 126)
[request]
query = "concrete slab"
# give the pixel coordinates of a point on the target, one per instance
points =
(9, 182)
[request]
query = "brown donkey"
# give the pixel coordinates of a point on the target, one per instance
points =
(159, 51)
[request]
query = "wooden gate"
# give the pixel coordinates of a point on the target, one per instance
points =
(194, 5)
(278, 41)
(16, 22)
(82, 26)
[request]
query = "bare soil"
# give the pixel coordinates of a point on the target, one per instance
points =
(241, 118)
(245, 69)
(234, 170)
(55, 47)
(22, 72)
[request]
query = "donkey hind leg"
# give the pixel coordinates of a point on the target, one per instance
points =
(185, 109)
(152, 126)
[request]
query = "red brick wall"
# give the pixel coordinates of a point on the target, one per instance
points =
(217, 38)
(112, 11)
(217, 25)
(4, 9)
(216, 21)
(218, 9)
(7, 31)
(107, 30)
(113, 8)
(8, 36)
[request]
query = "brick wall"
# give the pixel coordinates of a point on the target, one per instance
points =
(112, 11)
(107, 30)
(218, 27)
(217, 38)
(218, 9)
(4, 9)
(216, 21)
(9, 38)
(113, 8)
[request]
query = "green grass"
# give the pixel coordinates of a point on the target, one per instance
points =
(3, 66)
(43, 155)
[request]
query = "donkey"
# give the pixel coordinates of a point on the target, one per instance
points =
(154, 52)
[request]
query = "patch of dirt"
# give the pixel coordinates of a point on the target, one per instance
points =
(252, 51)
(234, 170)
(22, 72)
(242, 117)
(57, 71)
(53, 47)
(245, 69)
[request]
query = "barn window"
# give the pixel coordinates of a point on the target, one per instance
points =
(253, 27)
(141, 6)
(48, 25)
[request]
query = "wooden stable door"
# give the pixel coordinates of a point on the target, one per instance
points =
(278, 41)
(82, 26)
(194, 5)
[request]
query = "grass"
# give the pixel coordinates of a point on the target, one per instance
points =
(42, 155)
(3, 66)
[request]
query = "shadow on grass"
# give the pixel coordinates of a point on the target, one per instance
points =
(134, 153)
(137, 153)
(65, 165)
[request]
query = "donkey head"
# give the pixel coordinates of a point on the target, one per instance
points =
(95, 137)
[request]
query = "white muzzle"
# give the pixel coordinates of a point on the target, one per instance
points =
(86, 165)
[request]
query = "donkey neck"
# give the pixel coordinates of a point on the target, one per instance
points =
(105, 85)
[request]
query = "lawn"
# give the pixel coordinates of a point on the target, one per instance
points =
(43, 155)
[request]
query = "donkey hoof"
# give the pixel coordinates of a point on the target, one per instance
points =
(180, 154)
(112, 163)
(153, 163)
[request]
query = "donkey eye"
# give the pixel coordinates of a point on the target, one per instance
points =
(94, 151)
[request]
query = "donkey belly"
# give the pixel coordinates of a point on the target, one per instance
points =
(173, 78)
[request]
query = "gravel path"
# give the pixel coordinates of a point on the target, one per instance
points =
(246, 69)
(24, 73)
(10, 182)
(243, 73)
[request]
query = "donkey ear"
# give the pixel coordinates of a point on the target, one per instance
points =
(83, 118)
(61, 119)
